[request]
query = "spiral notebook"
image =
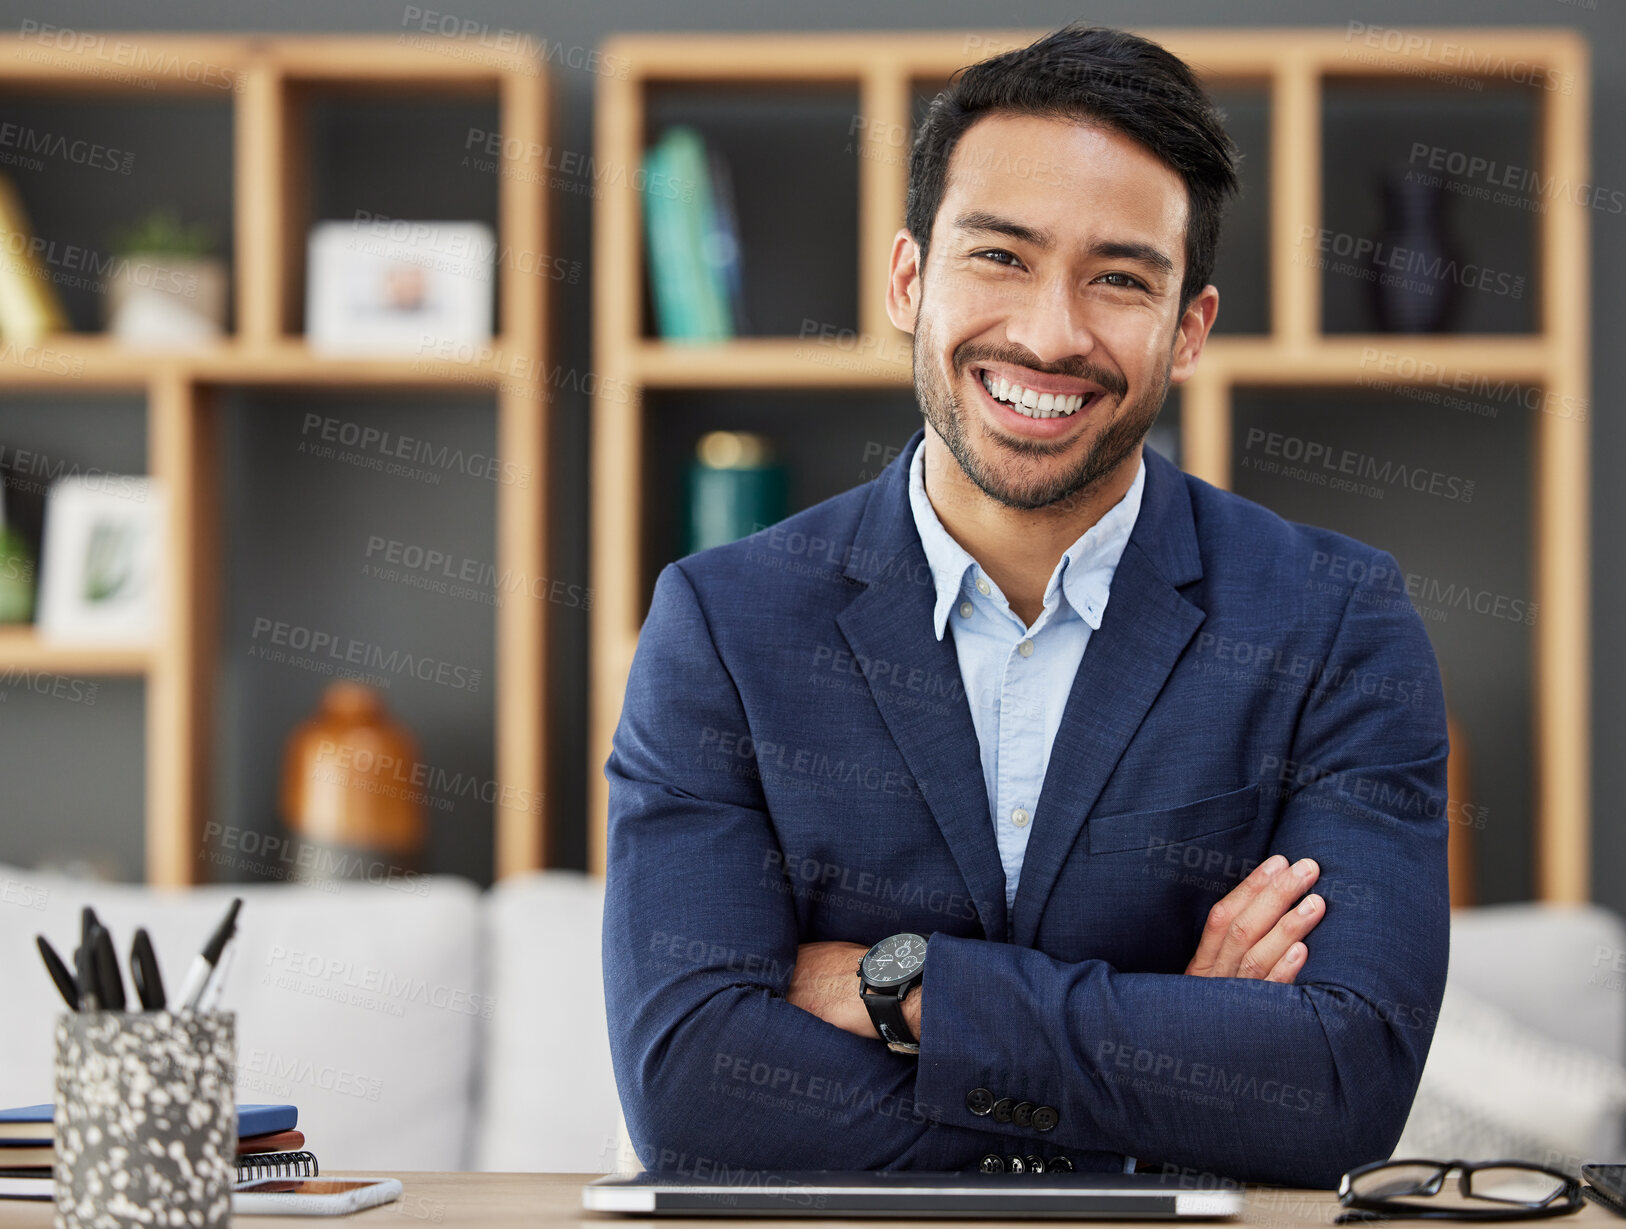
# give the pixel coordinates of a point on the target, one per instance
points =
(252, 1165)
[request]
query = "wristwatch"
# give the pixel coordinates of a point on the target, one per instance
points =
(886, 975)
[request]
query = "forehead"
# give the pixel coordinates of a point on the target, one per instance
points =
(1076, 179)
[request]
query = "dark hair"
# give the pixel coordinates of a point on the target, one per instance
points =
(1093, 75)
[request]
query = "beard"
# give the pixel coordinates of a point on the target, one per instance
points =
(1003, 474)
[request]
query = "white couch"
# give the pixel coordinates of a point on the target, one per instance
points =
(423, 1025)
(427, 1025)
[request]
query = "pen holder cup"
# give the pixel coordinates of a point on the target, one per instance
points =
(146, 1119)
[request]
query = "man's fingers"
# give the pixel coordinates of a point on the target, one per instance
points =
(1287, 968)
(1228, 910)
(1272, 903)
(1266, 955)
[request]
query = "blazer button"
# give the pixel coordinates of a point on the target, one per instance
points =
(979, 1101)
(1002, 1109)
(1022, 1113)
(1060, 1165)
(992, 1163)
(1015, 1164)
(1045, 1118)
(1035, 1164)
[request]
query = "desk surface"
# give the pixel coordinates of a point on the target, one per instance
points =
(526, 1201)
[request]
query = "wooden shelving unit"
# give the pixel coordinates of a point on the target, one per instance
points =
(1291, 67)
(269, 82)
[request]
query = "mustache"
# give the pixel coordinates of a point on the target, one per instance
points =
(1075, 368)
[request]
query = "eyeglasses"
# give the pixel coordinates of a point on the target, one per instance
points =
(1486, 1190)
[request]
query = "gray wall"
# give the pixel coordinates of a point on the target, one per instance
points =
(279, 496)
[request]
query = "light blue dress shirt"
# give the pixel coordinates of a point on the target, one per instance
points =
(1017, 678)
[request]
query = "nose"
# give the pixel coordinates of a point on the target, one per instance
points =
(1050, 320)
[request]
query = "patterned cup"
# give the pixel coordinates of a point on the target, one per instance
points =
(146, 1120)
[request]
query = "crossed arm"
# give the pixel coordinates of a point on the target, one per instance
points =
(1256, 932)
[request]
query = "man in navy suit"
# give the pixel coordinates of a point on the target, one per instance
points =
(1090, 727)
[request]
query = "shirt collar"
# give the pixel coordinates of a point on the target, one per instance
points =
(1083, 574)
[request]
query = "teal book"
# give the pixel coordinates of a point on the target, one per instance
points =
(685, 220)
(663, 231)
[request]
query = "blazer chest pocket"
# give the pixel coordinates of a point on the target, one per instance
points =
(1145, 831)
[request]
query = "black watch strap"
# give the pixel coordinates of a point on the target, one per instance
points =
(886, 1012)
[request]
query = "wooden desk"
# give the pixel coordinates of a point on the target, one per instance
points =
(529, 1201)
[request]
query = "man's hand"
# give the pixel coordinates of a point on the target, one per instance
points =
(1256, 931)
(825, 982)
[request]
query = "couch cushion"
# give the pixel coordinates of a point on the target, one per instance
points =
(361, 1004)
(1558, 969)
(1493, 1087)
(548, 1090)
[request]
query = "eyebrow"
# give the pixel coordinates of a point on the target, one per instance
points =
(1143, 253)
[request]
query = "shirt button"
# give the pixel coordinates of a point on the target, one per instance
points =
(982, 586)
(1019, 817)
(1025, 648)
(965, 610)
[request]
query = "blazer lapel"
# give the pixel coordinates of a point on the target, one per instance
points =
(1146, 627)
(889, 626)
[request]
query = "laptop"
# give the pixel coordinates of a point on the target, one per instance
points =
(972, 1196)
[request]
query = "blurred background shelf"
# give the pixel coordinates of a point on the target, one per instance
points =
(261, 136)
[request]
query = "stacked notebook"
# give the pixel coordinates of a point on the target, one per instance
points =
(268, 1146)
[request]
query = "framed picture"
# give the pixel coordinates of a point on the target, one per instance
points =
(398, 287)
(100, 578)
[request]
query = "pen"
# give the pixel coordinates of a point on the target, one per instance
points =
(85, 961)
(149, 983)
(65, 985)
(197, 977)
(215, 988)
(106, 964)
(87, 922)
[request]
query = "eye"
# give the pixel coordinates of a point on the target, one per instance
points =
(1128, 283)
(1000, 256)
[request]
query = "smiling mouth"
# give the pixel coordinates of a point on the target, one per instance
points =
(1030, 402)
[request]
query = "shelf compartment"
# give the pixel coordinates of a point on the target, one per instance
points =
(1463, 543)
(794, 151)
(1474, 154)
(341, 546)
(829, 442)
(98, 165)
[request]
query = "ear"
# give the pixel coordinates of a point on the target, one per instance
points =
(1195, 322)
(903, 286)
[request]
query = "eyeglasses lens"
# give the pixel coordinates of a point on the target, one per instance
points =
(1516, 1185)
(1396, 1181)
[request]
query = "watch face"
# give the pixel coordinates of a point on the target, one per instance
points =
(895, 959)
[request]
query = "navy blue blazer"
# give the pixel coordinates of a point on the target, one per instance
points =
(796, 761)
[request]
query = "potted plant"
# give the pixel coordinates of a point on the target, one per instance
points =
(167, 287)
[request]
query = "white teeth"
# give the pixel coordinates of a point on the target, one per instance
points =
(1029, 402)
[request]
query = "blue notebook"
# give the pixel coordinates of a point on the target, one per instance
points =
(30, 1125)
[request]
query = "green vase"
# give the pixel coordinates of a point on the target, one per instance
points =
(734, 489)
